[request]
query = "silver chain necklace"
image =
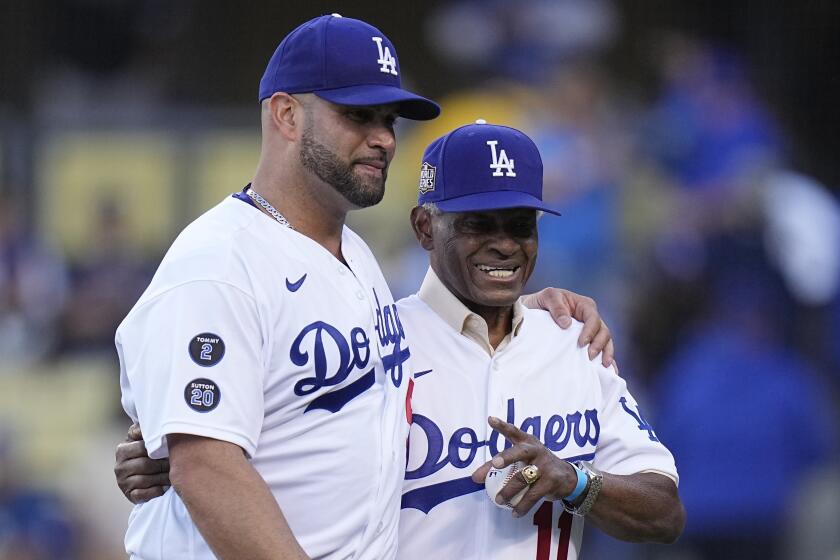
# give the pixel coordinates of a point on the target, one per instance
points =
(268, 208)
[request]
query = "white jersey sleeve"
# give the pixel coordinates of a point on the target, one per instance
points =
(628, 443)
(191, 363)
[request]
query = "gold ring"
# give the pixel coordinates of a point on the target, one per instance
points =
(531, 474)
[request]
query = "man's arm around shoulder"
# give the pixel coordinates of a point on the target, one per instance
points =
(229, 501)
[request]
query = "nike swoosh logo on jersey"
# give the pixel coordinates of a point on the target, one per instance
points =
(422, 373)
(295, 286)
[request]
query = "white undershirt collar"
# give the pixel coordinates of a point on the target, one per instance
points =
(458, 316)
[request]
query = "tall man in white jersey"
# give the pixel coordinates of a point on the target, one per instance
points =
(477, 352)
(266, 359)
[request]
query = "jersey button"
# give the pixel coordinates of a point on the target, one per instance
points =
(360, 294)
(342, 270)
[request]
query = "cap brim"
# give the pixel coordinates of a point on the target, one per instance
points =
(495, 200)
(410, 105)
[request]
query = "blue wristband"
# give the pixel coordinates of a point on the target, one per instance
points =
(582, 479)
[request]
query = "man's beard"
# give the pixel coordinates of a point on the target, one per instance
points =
(318, 159)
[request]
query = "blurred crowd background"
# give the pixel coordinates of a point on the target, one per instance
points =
(692, 145)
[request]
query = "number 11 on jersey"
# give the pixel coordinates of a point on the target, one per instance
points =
(542, 519)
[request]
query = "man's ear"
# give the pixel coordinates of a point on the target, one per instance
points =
(421, 223)
(285, 113)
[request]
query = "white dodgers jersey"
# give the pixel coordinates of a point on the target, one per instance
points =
(255, 334)
(541, 382)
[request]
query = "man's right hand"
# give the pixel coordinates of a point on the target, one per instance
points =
(139, 477)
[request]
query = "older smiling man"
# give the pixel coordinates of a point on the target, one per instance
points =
(588, 449)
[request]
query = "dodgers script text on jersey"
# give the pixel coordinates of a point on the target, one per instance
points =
(311, 382)
(544, 384)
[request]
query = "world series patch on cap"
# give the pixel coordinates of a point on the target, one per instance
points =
(483, 167)
(345, 61)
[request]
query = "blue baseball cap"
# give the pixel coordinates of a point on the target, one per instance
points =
(483, 167)
(345, 61)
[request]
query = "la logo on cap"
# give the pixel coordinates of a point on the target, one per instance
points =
(386, 59)
(500, 161)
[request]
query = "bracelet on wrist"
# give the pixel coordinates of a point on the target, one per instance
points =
(580, 487)
(586, 500)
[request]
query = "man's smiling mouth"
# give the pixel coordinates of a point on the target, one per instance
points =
(498, 271)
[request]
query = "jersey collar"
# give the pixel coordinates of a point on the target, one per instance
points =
(458, 316)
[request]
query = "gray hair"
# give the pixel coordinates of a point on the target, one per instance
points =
(433, 209)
